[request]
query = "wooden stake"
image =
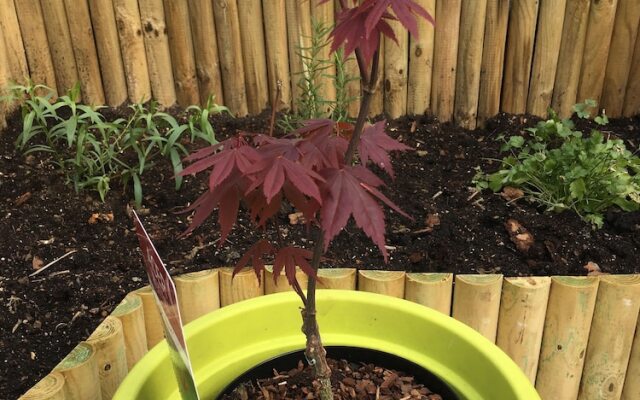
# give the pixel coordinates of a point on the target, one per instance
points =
(566, 332)
(337, 278)
(182, 56)
(625, 32)
(152, 319)
(80, 371)
(522, 310)
(517, 66)
(5, 77)
(157, 50)
(299, 35)
(445, 59)
(108, 341)
(132, 48)
(596, 51)
(472, 21)
(131, 314)
(16, 57)
(324, 14)
(203, 28)
(275, 31)
(476, 302)
(421, 62)
(390, 283)
(253, 55)
(611, 336)
(230, 46)
(103, 20)
(84, 50)
(545, 59)
(396, 63)
(631, 389)
(59, 38)
(198, 294)
(430, 289)
(51, 387)
(282, 285)
(491, 70)
(632, 97)
(574, 32)
(243, 286)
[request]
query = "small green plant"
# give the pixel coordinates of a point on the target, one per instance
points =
(560, 169)
(93, 152)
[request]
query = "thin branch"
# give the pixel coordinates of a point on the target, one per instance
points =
(52, 262)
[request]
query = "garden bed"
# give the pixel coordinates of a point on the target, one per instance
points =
(45, 316)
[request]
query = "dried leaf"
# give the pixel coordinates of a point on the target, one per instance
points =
(100, 217)
(37, 263)
(510, 193)
(519, 235)
(22, 199)
(593, 269)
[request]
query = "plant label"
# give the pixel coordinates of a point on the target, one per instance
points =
(166, 297)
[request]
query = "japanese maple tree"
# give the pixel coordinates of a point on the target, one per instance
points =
(321, 169)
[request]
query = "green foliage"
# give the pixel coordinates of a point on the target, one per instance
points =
(560, 169)
(93, 152)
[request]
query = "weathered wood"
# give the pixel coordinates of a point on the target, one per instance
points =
(281, 284)
(519, 53)
(103, 21)
(15, 51)
(522, 311)
(337, 278)
(5, 78)
(51, 387)
(84, 50)
(230, 51)
(390, 283)
(80, 371)
(157, 50)
(631, 389)
(152, 319)
(203, 28)
(108, 342)
(198, 293)
(545, 59)
(243, 286)
(611, 337)
(625, 33)
(132, 49)
(299, 36)
(476, 302)
(574, 31)
(275, 31)
(421, 63)
(471, 37)
(632, 97)
(59, 38)
(396, 63)
(324, 14)
(176, 14)
(566, 332)
(131, 315)
(492, 67)
(602, 14)
(253, 55)
(430, 289)
(445, 59)
(377, 99)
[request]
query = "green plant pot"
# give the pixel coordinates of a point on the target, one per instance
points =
(228, 342)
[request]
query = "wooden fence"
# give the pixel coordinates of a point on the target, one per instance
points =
(482, 57)
(574, 337)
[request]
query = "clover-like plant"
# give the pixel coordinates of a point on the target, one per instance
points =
(321, 169)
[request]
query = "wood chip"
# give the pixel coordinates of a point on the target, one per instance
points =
(100, 217)
(519, 235)
(37, 263)
(510, 193)
(22, 199)
(593, 269)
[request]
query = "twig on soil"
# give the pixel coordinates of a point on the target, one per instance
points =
(435, 196)
(15, 327)
(52, 262)
(474, 194)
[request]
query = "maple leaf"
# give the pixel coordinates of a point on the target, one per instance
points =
(351, 191)
(375, 145)
(255, 256)
(404, 10)
(288, 258)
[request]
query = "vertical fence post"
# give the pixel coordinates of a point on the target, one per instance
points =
(299, 36)
(243, 286)
(253, 55)
(324, 14)
(517, 67)
(337, 278)
(390, 283)
(16, 57)
(476, 302)
(275, 33)
(421, 63)
(51, 387)
(282, 285)
(631, 389)
(472, 20)
(108, 341)
(4, 81)
(80, 371)
(396, 63)
(198, 293)
(632, 97)
(623, 40)
(445, 59)
(152, 319)
(203, 28)
(574, 31)
(545, 59)
(430, 289)
(131, 315)
(176, 14)
(103, 21)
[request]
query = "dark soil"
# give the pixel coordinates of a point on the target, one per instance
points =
(41, 218)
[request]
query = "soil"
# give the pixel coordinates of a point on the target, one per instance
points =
(41, 219)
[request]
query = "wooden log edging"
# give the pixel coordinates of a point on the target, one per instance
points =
(557, 329)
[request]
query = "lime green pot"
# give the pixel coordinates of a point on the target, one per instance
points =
(226, 343)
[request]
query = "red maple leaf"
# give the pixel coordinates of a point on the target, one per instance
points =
(288, 258)
(375, 145)
(255, 257)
